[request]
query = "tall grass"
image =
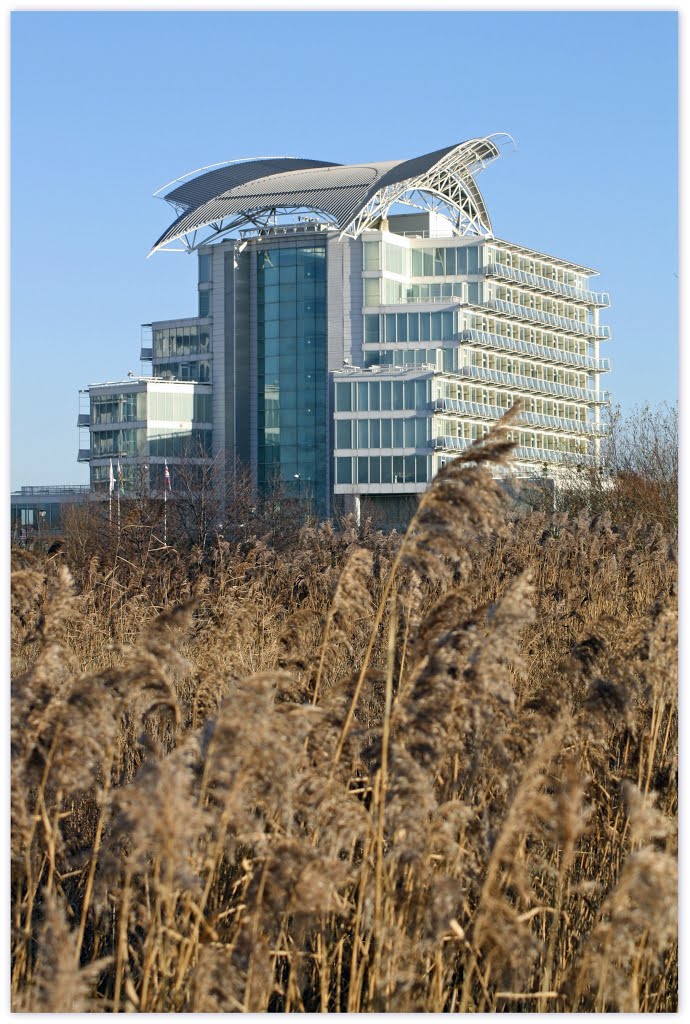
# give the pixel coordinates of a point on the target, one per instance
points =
(430, 772)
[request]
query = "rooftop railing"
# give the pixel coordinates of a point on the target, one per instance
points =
(530, 348)
(544, 284)
(563, 323)
(38, 489)
(494, 412)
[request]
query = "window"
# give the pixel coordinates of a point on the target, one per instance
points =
(343, 433)
(204, 267)
(204, 304)
(371, 327)
(343, 470)
(343, 397)
(371, 291)
(372, 259)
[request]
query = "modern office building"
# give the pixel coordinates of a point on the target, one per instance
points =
(358, 326)
(37, 512)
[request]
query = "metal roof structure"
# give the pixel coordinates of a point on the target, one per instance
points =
(264, 191)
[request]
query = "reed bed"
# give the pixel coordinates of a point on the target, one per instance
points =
(369, 772)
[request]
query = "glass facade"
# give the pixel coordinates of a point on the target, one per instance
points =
(292, 430)
(187, 340)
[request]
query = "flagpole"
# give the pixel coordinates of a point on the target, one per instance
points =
(166, 487)
(111, 484)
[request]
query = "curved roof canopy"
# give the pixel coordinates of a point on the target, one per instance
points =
(265, 191)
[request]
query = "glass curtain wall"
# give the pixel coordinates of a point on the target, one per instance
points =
(292, 372)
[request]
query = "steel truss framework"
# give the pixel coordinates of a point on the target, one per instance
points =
(347, 199)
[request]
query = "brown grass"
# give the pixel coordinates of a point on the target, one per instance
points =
(363, 772)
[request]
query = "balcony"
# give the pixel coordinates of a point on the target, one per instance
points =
(545, 285)
(519, 383)
(530, 348)
(448, 443)
(83, 419)
(84, 455)
(479, 410)
(562, 323)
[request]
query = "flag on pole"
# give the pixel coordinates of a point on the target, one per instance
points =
(120, 478)
(168, 485)
(111, 479)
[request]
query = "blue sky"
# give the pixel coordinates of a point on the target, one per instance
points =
(107, 107)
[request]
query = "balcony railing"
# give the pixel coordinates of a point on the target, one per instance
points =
(517, 382)
(563, 323)
(83, 419)
(448, 443)
(530, 348)
(545, 285)
(146, 355)
(84, 455)
(494, 412)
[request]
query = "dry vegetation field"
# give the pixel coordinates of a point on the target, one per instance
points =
(352, 772)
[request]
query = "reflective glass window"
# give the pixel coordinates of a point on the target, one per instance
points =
(343, 397)
(204, 267)
(386, 434)
(386, 389)
(386, 469)
(371, 291)
(343, 470)
(362, 395)
(363, 434)
(371, 327)
(363, 469)
(343, 433)
(398, 433)
(374, 433)
(371, 256)
(398, 394)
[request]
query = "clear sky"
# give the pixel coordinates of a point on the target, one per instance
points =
(107, 107)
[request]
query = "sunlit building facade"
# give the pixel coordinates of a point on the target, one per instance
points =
(359, 326)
